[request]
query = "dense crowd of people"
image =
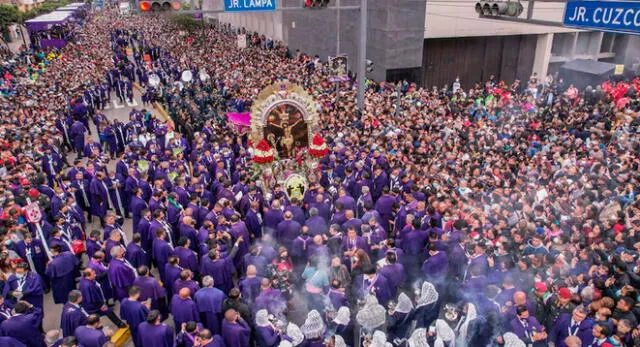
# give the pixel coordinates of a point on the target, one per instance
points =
(490, 214)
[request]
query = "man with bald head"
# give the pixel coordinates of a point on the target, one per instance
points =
(235, 330)
(183, 308)
(287, 230)
(188, 230)
(207, 339)
(519, 299)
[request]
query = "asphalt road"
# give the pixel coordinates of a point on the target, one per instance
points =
(118, 111)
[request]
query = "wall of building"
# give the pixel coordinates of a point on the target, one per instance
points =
(395, 36)
(457, 18)
(475, 59)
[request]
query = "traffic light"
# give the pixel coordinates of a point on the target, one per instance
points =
(316, 3)
(369, 65)
(499, 8)
(155, 6)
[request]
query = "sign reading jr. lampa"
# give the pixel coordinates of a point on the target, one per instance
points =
(249, 5)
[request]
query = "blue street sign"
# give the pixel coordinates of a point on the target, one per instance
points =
(249, 5)
(618, 16)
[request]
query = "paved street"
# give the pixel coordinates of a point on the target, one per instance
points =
(114, 111)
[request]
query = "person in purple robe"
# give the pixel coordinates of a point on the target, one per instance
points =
(183, 308)
(220, 268)
(187, 230)
(266, 333)
(351, 221)
(24, 285)
(172, 272)
(33, 252)
(137, 205)
(135, 254)
(98, 265)
(256, 258)
(7, 341)
(91, 334)
(24, 325)
(207, 339)
(94, 299)
(188, 334)
(436, 266)
(90, 148)
(351, 243)
(93, 243)
(100, 198)
(186, 281)
(250, 284)
(527, 328)
(161, 252)
(188, 259)
(121, 273)
(235, 330)
(239, 231)
(272, 218)
(253, 220)
(270, 299)
(323, 207)
(300, 248)
(61, 270)
(380, 182)
(413, 245)
(393, 271)
(134, 311)
(154, 333)
(372, 283)
(151, 289)
(73, 315)
(317, 224)
(209, 302)
(144, 229)
(575, 324)
(77, 135)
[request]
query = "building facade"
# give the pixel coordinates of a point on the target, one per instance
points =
(434, 41)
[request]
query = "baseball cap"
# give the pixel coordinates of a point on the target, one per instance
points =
(541, 287)
(564, 293)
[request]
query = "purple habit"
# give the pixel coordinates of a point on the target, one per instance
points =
(134, 313)
(152, 335)
(183, 310)
(235, 334)
(61, 271)
(72, 317)
(121, 277)
(90, 337)
(209, 302)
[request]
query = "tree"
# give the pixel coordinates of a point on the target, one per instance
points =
(185, 21)
(8, 15)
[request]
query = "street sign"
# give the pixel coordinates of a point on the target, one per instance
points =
(616, 16)
(249, 5)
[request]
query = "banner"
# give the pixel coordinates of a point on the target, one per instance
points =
(242, 41)
(240, 118)
(338, 66)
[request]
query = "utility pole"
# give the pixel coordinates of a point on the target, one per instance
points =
(362, 56)
(337, 50)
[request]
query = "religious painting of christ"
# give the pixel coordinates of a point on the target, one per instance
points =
(286, 130)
